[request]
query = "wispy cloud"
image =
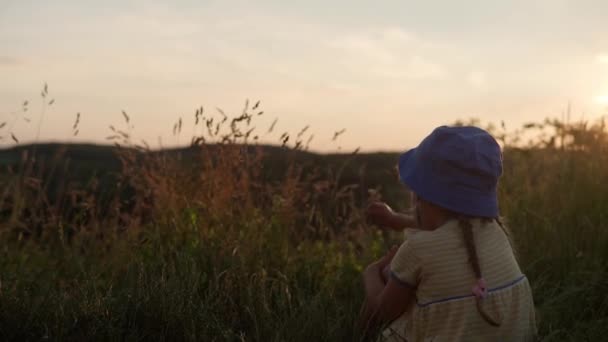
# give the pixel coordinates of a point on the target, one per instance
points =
(390, 52)
(477, 79)
(10, 61)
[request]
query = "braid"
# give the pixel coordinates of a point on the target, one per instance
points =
(469, 241)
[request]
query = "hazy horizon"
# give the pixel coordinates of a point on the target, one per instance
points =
(386, 72)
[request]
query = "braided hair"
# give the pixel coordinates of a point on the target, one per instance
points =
(469, 239)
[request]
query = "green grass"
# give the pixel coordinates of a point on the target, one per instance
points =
(182, 285)
(213, 249)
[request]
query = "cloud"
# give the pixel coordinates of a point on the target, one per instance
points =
(10, 61)
(390, 52)
(477, 79)
(410, 67)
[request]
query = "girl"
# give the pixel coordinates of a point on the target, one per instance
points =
(455, 278)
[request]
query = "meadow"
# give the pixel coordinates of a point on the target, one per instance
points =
(232, 240)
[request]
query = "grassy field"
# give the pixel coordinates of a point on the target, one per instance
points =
(228, 240)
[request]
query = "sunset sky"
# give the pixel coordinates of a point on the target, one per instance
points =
(386, 71)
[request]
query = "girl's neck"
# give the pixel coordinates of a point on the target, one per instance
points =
(437, 222)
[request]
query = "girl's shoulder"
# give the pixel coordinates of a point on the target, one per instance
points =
(450, 234)
(419, 235)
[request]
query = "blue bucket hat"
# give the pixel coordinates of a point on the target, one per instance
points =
(456, 168)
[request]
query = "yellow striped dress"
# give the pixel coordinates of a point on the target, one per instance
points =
(436, 264)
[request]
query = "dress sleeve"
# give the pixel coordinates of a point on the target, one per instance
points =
(406, 265)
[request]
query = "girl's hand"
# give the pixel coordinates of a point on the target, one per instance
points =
(386, 273)
(379, 267)
(379, 213)
(384, 300)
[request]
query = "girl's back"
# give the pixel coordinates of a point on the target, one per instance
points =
(437, 264)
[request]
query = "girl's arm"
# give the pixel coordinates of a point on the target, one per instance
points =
(384, 302)
(381, 214)
(401, 221)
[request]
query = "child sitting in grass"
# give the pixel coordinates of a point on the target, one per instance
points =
(455, 278)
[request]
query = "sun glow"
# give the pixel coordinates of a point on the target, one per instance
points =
(602, 100)
(603, 58)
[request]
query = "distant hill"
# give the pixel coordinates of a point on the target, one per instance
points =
(80, 163)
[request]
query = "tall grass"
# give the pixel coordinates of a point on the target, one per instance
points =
(223, 242)
(555, 194)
